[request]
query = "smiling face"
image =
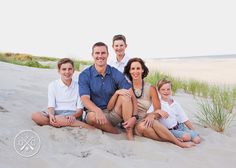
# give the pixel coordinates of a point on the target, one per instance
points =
(100, 55)
(66, 71)
(165, 91)
(136, 71)
(119, 47)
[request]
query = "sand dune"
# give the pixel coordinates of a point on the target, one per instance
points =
(24, 90)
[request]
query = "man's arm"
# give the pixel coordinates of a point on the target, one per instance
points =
(84, 92)
(100, 117)
(78, 113)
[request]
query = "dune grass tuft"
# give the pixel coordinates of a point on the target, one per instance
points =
(213, 114)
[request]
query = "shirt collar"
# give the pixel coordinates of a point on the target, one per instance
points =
(95, 73)
(123, 61)
(62, 84)
(164, 102)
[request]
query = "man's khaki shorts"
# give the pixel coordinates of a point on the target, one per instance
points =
(111, 116)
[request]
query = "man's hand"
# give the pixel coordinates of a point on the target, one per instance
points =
(123, 92)
(100, 117)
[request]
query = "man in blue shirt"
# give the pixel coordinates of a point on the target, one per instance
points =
(103, 87)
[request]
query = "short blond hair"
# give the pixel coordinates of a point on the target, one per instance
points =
(161, 82)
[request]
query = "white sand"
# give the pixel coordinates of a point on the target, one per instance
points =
(24, 90)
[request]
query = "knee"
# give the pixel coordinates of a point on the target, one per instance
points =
(140, 128)
(197, 140)
(124, 99)
(39, 119)
(35, 116)
(90, 118)
(186, 137)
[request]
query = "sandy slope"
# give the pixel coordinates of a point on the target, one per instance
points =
(24, 90)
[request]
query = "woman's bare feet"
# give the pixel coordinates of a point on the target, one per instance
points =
(186, 144)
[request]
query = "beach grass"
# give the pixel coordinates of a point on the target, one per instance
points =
(212, 114)
(37, 61)
(25, 59)
(216, 111)
(154, 77)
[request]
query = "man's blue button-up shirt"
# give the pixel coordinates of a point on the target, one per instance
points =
(101, 88)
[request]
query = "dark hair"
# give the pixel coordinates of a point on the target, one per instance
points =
(128, 65)
(99, 44)
(161, 82)
(119, 37)
(64, 61)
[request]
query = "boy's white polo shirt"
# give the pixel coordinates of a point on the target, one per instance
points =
(62, 97)
(119, 65)
(176, 114)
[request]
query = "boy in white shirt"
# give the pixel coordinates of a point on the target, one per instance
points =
(119, 45)
(173, 116)
(64, 104)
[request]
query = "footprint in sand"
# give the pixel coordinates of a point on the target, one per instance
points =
(3, 110)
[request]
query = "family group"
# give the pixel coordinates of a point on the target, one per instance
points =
(114, 95)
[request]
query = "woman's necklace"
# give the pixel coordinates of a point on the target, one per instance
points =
(138, 92)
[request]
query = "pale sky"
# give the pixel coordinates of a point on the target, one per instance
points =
(153, 28)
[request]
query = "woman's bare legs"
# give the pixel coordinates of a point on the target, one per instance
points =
(164, 133)
(148, 132)
(160, 133)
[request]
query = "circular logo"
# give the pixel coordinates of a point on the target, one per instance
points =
(27, 143)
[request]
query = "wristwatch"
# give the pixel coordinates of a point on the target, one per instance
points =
(136, 116)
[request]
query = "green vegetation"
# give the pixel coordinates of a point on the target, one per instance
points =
(216, 111)
(213, 114)
(24, 59)
(34, 61)
(79, 64)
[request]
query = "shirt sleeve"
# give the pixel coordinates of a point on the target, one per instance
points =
(151, 109)
(79, 104)
(182, 117)
(84, 88)
(51, 96)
